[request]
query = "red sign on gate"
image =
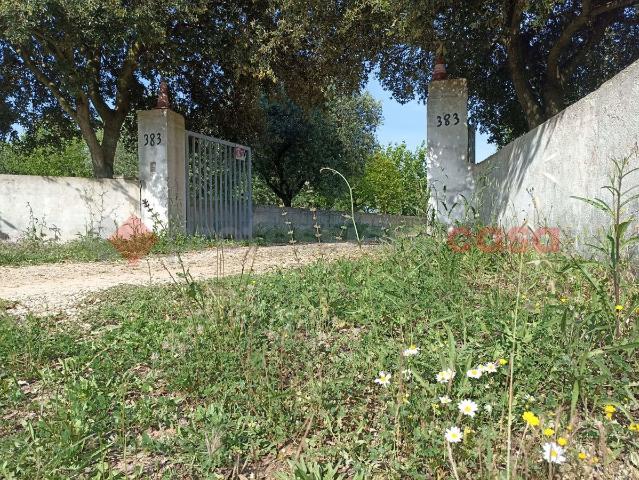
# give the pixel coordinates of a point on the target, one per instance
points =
(239, 153)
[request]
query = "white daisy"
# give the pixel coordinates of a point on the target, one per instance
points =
(445, 400)
(467, 407)
(474, 373)
(489, 367)
(445, 376)
(454, 435)
(383, 379)
(553, 453)
(411, 351)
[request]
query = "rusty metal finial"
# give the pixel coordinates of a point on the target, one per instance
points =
(163, 97)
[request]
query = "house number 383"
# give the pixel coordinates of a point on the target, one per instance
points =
(152, 139)
(447, 119)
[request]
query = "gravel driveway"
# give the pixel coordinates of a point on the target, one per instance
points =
(57, 288)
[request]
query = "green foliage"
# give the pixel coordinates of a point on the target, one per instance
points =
(70, 159)
(615, 246)
(45, 152)
(524, 60)
(235, 377)
(296, 143)
(95, 62)
(394, 181)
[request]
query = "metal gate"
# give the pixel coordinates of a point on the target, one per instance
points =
(218, 179)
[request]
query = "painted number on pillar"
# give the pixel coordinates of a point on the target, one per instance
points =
(447, 120)
(152, 139)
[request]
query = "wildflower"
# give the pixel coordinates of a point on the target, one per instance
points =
(562, 441)
(594, 460)
(633, 427)
(489, 367)
(619, 308)
(582, 456)
(445, 400)
(531, 419)
(445, 376)
(411, 351)
(503, 361)
(383, 379)
(467, 407)
(609, 410)
(563, 299)
(549, 432)
(488, 408)
(553, 453)
(474, 373)
(453, 435)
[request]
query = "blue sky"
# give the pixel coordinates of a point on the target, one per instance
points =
(407, 123)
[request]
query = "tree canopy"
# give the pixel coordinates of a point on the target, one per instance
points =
(525, 60)
(95, 61)
(296, 143)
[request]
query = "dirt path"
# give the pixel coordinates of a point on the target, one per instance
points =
(59, 288)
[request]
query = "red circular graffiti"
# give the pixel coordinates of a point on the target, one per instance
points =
(518, 239)
(553, 236)
(494, 233)
(457, 232)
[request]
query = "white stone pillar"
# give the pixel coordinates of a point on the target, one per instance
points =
(449, 171)
(162, 157)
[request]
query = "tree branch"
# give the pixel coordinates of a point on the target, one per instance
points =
(25, 56)
(553, 91)
(95, 65)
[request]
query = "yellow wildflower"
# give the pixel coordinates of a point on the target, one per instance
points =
(609, 410)
(563, 299)
(562, 441)
(594, 460)
(619, 308)
(503, 361)
(582, 456)
(549, 432)
(633, 427)
(531, 419)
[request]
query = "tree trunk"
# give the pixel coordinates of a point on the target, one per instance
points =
(102, 154)
(525, 96)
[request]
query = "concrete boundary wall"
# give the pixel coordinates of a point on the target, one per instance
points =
(63, 208)
(533, 178)
(271, 218)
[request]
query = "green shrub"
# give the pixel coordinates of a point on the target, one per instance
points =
(394, 181)
(71, 159)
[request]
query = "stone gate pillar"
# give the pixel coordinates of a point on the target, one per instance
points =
(162, 157)
(449, 170)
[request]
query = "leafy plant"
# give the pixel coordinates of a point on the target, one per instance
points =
(618, 238)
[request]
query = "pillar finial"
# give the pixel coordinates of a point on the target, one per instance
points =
(163, 96)
(439, 73)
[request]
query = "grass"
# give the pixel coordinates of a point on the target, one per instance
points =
(274, 375)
